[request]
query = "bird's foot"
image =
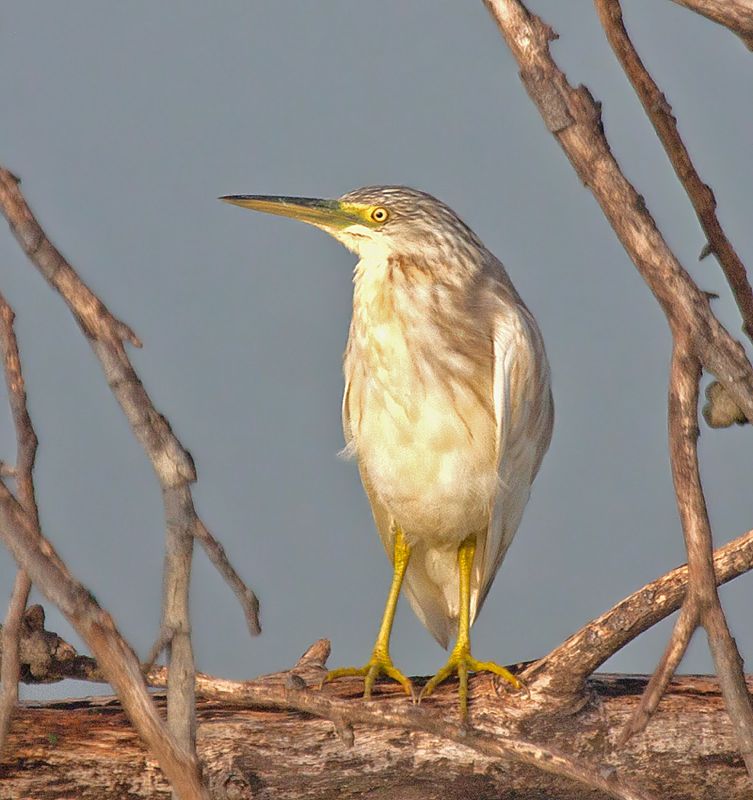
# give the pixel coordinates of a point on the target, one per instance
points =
(462, 662)
(380, 663)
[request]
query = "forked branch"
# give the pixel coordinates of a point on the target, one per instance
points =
(115, 658)
(171, 462)
(659, 111)
(699, 338)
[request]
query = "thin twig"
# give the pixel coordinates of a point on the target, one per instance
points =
(737, 15)
(564, 671)
(217, 555)
(115, 658)
(659, 112)
(26, 450)
(161, 642)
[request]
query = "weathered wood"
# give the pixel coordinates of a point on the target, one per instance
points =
(86, 749)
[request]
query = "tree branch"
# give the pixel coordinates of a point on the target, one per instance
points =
(659, 112)
(216, 553)
(181, 697)
(405, 716)
(254, 745)
(26, 451)
(574, 118)
(674, 652)
(702, 594)
(291, 691)
(564, 671)
(698, 338)
(737, 15)
(172, 464)
(117, 661)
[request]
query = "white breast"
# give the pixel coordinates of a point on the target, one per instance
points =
(420, 415)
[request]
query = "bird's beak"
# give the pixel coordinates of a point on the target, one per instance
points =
(330, 214)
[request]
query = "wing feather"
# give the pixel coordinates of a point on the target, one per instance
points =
(524, 413)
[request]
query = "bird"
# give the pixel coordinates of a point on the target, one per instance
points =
(447, 408)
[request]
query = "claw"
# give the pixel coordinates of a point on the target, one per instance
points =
(462, 662)
(378, 664)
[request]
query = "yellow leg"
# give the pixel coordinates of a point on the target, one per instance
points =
(380, 661)
(461, 660)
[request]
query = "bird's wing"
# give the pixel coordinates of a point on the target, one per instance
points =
(524, 413)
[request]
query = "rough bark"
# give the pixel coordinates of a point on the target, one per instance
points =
(86, 749)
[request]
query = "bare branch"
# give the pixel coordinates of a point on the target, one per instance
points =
(85, 748)
(217, 555)
(26, 450)
(683, 438)
(574, 119)
(660, 113)
(410, 717)
(292, 691)
(37, 557)
(564, 671)
(181, 698)
(11, 667)
(737, 15)
(678, 643)
(699, 339)
(172, 464)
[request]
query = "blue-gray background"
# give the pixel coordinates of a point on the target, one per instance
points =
(126, 120)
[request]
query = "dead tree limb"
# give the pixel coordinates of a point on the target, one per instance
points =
(556, 698)
(36, 556)
(564, 671)
(659, 111)
(171, 462)
(702, 595)
(26, 451)
(255, 744)
(574, 119)
(699, 339)
(702, 606)
(737, 15)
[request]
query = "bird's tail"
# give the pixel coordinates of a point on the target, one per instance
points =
(432, 583)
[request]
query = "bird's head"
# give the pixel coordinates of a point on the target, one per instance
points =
(376, 221)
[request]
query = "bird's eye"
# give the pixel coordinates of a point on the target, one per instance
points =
(380, 214)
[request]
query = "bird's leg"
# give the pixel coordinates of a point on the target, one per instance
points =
(461, 660)
(380, 661)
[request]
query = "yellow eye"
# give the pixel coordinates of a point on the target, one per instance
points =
(380, 214)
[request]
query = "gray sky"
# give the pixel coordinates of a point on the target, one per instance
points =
(126, 121)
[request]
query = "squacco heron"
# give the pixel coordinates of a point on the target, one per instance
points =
(447, 407)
